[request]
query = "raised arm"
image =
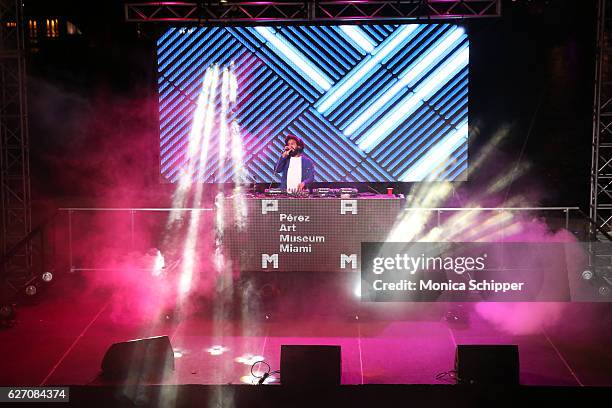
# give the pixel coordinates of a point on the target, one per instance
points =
(280, 164)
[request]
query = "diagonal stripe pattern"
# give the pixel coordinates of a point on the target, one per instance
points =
(372, 102)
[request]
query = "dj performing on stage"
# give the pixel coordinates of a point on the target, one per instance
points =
(293, 228)
(266, 113)
(313, 197)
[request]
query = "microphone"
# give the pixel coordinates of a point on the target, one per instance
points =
(288, 151)
(263, 378)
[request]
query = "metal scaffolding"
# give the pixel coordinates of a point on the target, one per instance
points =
(601, 170)
(14, 156)
(287, 11)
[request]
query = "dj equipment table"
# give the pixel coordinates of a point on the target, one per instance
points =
(309, 234)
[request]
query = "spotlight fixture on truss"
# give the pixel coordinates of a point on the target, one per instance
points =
(8, 314)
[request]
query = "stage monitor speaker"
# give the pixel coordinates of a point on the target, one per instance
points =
(148, 358)
(310, 365)
(487, 364)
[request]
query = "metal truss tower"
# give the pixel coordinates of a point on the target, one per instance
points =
(14, 155)
(287, 11)
(601, 163)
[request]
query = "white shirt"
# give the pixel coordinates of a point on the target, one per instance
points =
(294, 174)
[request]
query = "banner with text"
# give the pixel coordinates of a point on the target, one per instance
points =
(475, 271)
(309, 234)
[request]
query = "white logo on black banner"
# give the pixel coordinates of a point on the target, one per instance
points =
(352, 259)
(266, 259)
(269, 206)
(347, 206)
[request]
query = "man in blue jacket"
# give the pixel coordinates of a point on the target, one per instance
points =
(296, 168)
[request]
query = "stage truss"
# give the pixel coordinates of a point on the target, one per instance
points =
(601, 171)
(14, 155)
(300, 11)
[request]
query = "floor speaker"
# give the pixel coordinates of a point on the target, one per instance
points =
(487, 364)
(148, 358)
(310, 365)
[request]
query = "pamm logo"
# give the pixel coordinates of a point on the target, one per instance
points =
(392, 98)
(268, 206)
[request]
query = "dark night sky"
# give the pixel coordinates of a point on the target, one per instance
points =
(92, 99)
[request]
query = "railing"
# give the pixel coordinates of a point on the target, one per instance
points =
(440, 210)
(136, 229)
(131, 230)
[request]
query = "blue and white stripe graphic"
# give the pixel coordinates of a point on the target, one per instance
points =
(372, 102)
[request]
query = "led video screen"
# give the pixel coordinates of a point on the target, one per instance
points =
(373, 103)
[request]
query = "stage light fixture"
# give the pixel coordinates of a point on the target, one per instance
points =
(249, 359)
(255, 379)
(47, 276)
(31, 290)
(587, 275)
(604, 290)
(8, 313)
(216, 350)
